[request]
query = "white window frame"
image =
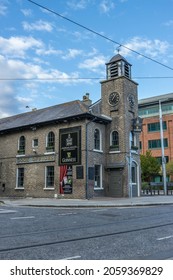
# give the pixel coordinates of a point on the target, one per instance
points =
(49, 152)
(34, 146)
(100, 134)
(17, 179)
(101, 176)
(45, 185)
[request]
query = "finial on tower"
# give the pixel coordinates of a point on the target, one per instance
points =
(118, 49)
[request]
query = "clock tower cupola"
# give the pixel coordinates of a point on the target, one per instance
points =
(118, 66)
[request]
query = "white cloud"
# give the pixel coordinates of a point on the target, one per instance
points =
(152, 48)
(23, 83)
(17, 46)
(77, 4)
(39, 25)
(26, 12)
(93, 64)
(49, 51)
(72, 53)
(106, 6)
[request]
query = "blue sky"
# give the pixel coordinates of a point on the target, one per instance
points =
(44, 57)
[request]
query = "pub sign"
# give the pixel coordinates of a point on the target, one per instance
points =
(70, 146)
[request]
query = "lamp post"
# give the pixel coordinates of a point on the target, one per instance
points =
(162, 147)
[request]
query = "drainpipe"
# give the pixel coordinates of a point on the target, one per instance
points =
(86, 162)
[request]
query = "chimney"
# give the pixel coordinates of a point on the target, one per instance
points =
(86, 100)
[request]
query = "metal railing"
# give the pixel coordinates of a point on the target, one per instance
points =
(154, 188)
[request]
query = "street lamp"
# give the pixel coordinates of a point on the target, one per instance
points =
(162, 147)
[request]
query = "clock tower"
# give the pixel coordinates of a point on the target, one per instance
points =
(119, 101)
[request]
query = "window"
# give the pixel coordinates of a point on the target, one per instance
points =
(115, 139)
(140, 145)
(50, 177)
(97, 143)
(21, 148)
(152, 127)
(154, 110)
(50, 147)
(97, 172)
(20, 177)
(35, 143)
(134, 173)
(156, 144)
(160, 159)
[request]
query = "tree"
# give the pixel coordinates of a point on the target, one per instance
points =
(149, 166)
(169, 168)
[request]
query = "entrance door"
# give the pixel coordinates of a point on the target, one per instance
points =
(115, 183)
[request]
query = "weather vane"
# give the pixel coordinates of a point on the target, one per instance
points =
(118, 48)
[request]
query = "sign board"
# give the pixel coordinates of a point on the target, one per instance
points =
(70, 146)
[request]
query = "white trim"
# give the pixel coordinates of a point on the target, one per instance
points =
(49, 153)
(45, 179)
(45, 173)
(100, 133)
(49, 189)
(114, 152)
(33, 143)
(101, 178)
(98, 151)
(17, 173)
(138, 177)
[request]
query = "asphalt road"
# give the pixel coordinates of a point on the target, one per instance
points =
(130, 233)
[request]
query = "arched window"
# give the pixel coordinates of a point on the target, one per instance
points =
(115, 139)
(97, 142)
(21, 149)
(50, 147)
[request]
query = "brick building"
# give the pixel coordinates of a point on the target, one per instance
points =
(150, 138)
(76, 149)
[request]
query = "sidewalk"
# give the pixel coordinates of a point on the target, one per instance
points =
(94, 202)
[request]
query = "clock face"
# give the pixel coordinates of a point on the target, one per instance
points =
(114, 98)
(131, 100)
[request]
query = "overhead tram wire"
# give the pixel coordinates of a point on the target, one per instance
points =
(99, 34)
(70, 78)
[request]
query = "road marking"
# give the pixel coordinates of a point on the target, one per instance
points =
(72, 258)
(3, 211)
(66, 214)
(19, 218)
(98, 210)
(165, 237)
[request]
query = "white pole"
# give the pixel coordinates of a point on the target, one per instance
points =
(162, 147)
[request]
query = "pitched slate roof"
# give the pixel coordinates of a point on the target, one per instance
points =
(117, 58)
(74, 109)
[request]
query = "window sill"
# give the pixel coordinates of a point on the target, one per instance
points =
(49, 189)
(98, 188)
(19, 188)
(98, 151)
(23, 155)
(134, 152)
(114, 152)
(49, 153)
